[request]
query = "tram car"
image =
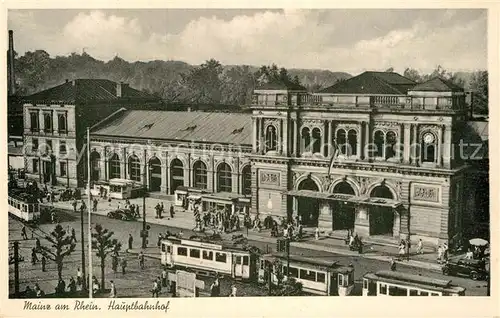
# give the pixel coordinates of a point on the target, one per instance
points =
(208, 258)
(317, 276)
(392, 283)
(23, 206)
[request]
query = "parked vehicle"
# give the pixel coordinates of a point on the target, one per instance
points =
(120, 214)
(459, 265)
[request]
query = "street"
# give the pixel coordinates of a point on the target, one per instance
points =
(137, 282)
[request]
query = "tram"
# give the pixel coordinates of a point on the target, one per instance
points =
(391, 283)
(207, 258)
(317, 276)
(24, 206)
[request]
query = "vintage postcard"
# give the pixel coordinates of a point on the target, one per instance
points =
(160, 154)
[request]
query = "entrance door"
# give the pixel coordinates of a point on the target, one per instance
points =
(154, 174)
(47, 171)
(308, 208)
(238, 265)
(176, 175)
(343, 216)
(381, 220)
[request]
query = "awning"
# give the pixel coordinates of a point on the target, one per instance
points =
(310, 194)
(346, 198)
(381, 202)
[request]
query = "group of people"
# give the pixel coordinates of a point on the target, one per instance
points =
(222, 221)
(354, 241)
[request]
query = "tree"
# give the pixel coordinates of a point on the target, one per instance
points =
(412, 74)
(62, 246)
(479, 87)
(104, 244)
(285, 287)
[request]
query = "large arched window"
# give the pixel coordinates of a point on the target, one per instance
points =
(316, 140)
(429, 147)
(342, 141)
(352, 137)
(246, 182)
(134, 168)
(390, 144)
(306, 139)
(94, 166)
(176, 175)
(114, 167)
(200, 175)
(224, 178)
(271, 138)
(378, 140)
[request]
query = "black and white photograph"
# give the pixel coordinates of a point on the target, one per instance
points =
(170, 152)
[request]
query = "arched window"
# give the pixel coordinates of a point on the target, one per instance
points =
(429, 147)
(224, 178)
(352, 137)
(316, 140)
(94, 166)
(114, 167)
(390, 144)
(342, 141)
(134, 168)
(47, 122)
(246, 175)
(271, 138)
(61, 121)
(176, 175)
(306, 139)
(378, 140)
(200, 175)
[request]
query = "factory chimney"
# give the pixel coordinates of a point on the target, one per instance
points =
(12, 76)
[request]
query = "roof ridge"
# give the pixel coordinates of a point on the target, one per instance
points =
(387, 84)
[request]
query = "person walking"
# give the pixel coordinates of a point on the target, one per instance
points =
(162, 209)
(38, 291)
(23, 233)
(401, 250)
(34, 258)
(124, 265)
(316, 234)
(154, 290)
(141, 260)
(114, 263)
(393, 265)
(440, 254)
(73, 235)
(112, 294)
(215, 288)
(172, 211)
(79, 278)
(44, 261)
(130, 241)
(164, 276)
(420, 246)
(234, 290)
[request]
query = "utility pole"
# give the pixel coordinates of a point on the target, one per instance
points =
(144, 236)
(89, 209)
(82, 240)
(16, 269)
(287, 257)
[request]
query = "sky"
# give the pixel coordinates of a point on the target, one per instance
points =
(348, 40)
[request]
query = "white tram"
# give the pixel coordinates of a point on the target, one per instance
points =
(392, 283)
(24, 207)
(207, 258)
(317, 276)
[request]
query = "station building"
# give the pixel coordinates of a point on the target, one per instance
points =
(377, 153)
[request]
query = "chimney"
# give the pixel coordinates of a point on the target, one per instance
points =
(12, 75)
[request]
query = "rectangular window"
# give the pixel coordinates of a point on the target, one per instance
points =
(182, 251)
(62, 147)
(238, 260)
(320, 277)
(382, 289)
(163, 248)
(47, 122)
(245, 260)
(413, 292)
(169, 249)
(424, 293)
(365, 283)
(261, 264)
(208, 255)
(220, 257)
(34, 121)
(49, 146)
(63, 169)
(293, 272)
(308, 275)
(194, 253)
(34, 146)
(35, 165)
(397, 291)
(340, 280)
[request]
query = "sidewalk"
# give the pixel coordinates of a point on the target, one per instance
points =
(185, 220)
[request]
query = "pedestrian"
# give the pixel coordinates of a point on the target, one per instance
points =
(159, 239)
(95, 285)
(95, 205)
(61, 287)
(141, 260)
(234, 290)
(154, 290)
(164, 276)
(360, 246)
(215, 288)
(38, 291)
(44, 260)
(112, 294)
(316, 233)
(34, 258)
(393, 264)
(401, 250)
(53, 217)
(72, 285)
(440, 254)
(159, 284)
(79, 277)
(74, 205)
(172, 211)
(37, 244)
(124, 265)
(420, 247)
(23, 233)
(408, 248)
(162, 209)
(73, 235)
(130, 241)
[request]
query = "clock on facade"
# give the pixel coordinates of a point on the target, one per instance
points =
(428, 138)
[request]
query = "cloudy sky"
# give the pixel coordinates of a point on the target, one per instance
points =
(350, 40)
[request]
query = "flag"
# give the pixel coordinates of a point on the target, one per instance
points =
(336, 151)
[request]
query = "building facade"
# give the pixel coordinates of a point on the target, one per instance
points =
(55, 123)
(377, 154)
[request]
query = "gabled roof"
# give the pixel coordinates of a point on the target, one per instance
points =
(281, 85)
(224, 128)
(84, 90)
(437, 84)
(376, 83)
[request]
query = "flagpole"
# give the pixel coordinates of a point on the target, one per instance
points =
(88, 208)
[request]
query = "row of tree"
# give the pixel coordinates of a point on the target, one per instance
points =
(208, 83)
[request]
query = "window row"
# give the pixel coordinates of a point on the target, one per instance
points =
(48, 146)
(393, 290)
(63, 167)
(62, 122)
(220, 257)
